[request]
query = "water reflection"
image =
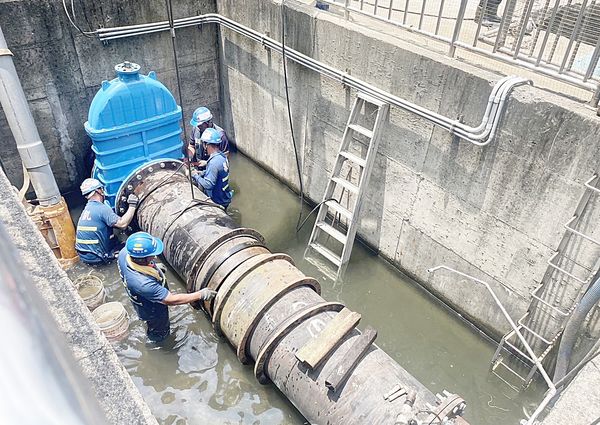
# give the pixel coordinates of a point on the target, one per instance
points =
(195, 377)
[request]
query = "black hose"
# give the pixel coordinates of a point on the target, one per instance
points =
(289, 111)
(298, 227)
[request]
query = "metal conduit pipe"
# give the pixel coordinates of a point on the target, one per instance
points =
(268, 309)
(25, 132)
(480, 135)
(569, 336)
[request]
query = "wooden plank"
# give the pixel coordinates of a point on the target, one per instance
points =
(317, 349)
(343, 370)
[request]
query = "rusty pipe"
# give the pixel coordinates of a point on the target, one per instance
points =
(267, 308)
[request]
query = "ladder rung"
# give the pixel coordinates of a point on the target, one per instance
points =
(525, 355)
(346, 184)
(507, 367)
(551, 264)
(370, 99)
(537, 297)
(534, 333)
(362, 130)
(512, 386)
(354, 158)
(335, 205)
(571, 229)
(330, 230)
(327, 253)
(588, 183)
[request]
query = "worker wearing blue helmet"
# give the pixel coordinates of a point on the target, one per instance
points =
(215, 180)
(202, 119)
(146, 284)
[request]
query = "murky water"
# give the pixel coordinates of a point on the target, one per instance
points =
(196, 378)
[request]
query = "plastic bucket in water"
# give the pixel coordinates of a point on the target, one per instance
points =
(113, 320)
(91, 289)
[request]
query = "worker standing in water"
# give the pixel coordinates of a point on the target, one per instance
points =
(147, 287)
(215, 180)
(95, 242)
(202, 119)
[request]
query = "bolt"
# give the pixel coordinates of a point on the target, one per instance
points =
(123, 198)
(138, 177)
(150, 169)
(162, 165)
(129, 187)
(122, 210)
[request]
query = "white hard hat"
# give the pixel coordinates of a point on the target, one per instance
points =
(89, 186)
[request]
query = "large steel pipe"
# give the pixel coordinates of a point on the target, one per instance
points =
(268, 309)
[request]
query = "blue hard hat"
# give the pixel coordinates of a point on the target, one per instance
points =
(142, 244)
(200, 115)
(211, 136)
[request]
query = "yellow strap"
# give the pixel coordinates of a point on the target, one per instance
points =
(87, 228)
(147, 270)
(88, 241)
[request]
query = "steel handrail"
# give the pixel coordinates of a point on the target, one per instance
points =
(551, 388)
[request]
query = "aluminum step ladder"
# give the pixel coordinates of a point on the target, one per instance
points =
(553, 300)
(336, 223)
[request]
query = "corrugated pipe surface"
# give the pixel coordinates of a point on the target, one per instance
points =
(268, 309)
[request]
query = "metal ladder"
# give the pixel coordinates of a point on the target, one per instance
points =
(553, 300)
(331, 212)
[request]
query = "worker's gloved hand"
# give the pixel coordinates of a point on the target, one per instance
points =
(207, 294)
(161, 267)
(202, 164)
(133, 200)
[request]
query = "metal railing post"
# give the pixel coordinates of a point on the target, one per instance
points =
(596, 98)
(457, 27)
(346, 9)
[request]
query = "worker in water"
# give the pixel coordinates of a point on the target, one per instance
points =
(201, 120)
(215, 179)
(146, 284)
(95, 242)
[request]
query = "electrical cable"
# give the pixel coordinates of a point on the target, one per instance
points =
(88, 34)
(298, 228)
(289, 111)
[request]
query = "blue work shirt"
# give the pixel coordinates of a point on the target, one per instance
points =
(147, 294)
(215, 180)
(94, 240)
(195, 141)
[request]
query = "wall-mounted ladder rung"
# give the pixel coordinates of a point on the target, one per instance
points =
(330, 230)
(371, 99)
(362, 130)
(577, 232)
(354, 158)
(335, 206)
(327, 253)
(351, 187)
(560, 269)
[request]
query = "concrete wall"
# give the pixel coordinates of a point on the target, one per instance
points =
(61, 70)
(108, 379)
(495, 212)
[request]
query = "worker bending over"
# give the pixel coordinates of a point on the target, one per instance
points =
(146, 284)
(95, 242)
(215, 180)
(201, 120)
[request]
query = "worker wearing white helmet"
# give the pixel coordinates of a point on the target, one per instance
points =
(95, 242)
(202, 119)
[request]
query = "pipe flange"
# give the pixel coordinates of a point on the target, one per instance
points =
(283, 329)
(134, 183)
(242, 348)
(235, 233)
(227, 287)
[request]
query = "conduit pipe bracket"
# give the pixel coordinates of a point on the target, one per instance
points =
(282, 330)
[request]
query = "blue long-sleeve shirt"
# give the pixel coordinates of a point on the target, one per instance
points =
(215, 180)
